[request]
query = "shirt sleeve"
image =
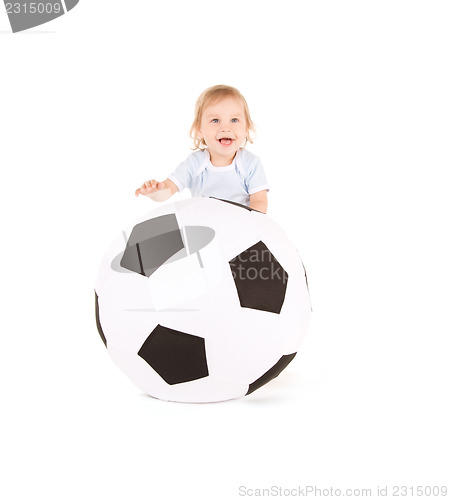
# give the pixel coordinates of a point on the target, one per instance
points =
(183, 174)
(256, 179)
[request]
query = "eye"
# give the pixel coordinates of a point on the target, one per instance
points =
(235, 120)
(214, 120)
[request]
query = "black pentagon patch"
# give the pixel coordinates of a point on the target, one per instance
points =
(97, 318)
(272, 373)
(260, 280)
(152, 243)
(176, 356)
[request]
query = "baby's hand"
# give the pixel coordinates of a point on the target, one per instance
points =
(157, 191)
(148, 187)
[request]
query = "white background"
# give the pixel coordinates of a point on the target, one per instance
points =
(351, 103)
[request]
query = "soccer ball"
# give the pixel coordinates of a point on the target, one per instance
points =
(202, 300)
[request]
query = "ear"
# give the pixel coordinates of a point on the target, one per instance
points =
(246, 137)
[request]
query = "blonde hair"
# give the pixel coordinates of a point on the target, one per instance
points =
(210, 96)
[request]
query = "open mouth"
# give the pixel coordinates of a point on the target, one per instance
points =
(226, 141)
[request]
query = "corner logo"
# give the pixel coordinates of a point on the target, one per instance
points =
(27, 14)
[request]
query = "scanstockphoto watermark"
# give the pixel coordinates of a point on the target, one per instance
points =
(265, 273)
(258, 263)
(404, 491)
(303, 491)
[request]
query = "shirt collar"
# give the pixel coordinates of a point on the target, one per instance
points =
(237, 161)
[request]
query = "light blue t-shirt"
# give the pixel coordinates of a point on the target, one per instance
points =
(234, 182)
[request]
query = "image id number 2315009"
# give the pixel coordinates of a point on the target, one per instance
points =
(419, 491)
(33, 8)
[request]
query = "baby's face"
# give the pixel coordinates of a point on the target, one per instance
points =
(224, 129)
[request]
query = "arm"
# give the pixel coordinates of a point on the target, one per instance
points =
(157, 191)
(259, 201)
